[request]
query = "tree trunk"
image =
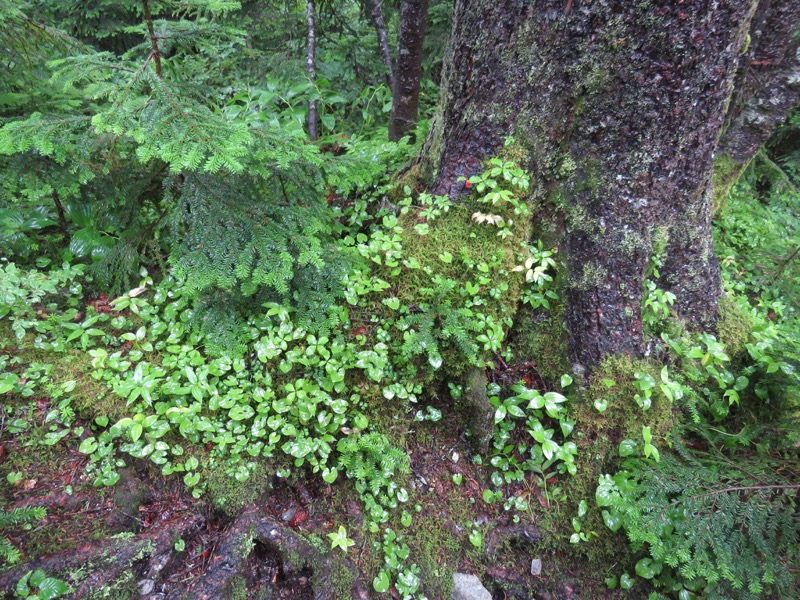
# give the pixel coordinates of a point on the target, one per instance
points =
(311, 67)
(408, 75)
(618, 107)
(768, 82)
(383, 42)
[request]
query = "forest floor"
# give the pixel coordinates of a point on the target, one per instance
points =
(147, 537)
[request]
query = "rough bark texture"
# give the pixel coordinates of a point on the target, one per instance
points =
(311, 67)
(408, 74)
(768, 81)
(618, 105)
(383, 42)
(109, 559)
(297, 554)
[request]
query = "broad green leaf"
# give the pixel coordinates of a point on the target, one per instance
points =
(381, 582)
(88, 446)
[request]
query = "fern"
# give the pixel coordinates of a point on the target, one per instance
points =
(715, 524)
(13, 518)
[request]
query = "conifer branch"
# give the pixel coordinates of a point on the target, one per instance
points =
(154, 53)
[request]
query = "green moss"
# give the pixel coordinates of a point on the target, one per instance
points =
(456, 251)
(734, 326)
(124, 588)
(726, 174)
(598, 436)
(541, 336)
(237, 588)
(230, 495)
(341, 580)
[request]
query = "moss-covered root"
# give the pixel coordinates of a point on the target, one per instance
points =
(108, 560)
(234, 548)
(477, 409)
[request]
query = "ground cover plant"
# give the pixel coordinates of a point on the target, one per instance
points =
(239, 359)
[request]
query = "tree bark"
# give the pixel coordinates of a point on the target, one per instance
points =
(618, 106)
(383, 42)
(768, 82)
(408, 75)
(311, 67)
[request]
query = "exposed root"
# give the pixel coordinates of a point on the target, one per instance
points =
(298, 559)
(55, 500)
(106, 560)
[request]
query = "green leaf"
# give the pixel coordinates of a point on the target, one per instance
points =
(627, 448)
(646, 435)
(240, 412)
(136, 431)
(381, 582)
(626, 581)
(328, 121)
(476, 538)
(339, 539)
(566, 380)
(88, 446)
(648, 568)
(51, 588)
(330, 475)
(612, 520)
(605, 495)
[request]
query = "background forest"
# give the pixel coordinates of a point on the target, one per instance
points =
(246, 352)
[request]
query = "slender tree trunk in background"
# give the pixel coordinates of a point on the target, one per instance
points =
(383, 42)
(768, 82)
(617, 107)
(311, 67)
(408, 74)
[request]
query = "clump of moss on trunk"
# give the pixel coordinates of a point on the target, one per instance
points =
(612, 387)
(726, 174)
(733, 326)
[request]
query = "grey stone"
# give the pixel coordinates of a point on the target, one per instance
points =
(146, 586)
(469, 587)
(536, 567)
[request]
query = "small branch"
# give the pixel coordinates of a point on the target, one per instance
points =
(62, 217)
(383, 42)
(154, 53)
(311, 66)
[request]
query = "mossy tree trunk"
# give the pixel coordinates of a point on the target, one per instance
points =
(618, 105)
(767, 85)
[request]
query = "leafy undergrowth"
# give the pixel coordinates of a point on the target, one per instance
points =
(183, 453)
(296, 443)
(453, 527)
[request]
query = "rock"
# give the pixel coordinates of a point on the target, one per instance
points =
(469, 587)
(536, 567)
(146, 586)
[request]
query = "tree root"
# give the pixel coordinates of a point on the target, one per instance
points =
(297, 555)
(55, 501)
(106, 560)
